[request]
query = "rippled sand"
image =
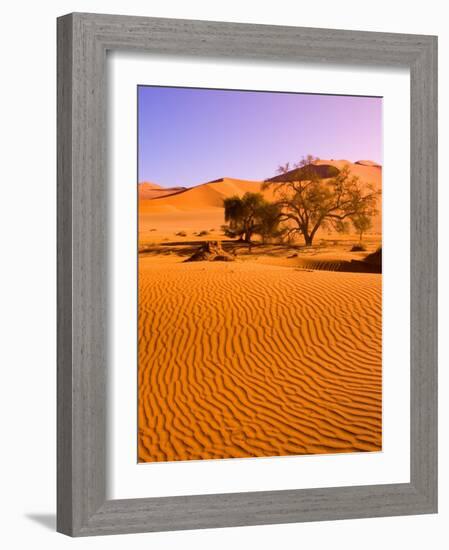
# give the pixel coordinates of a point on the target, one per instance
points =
(240, 359)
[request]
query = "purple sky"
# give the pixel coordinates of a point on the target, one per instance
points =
(188, 136)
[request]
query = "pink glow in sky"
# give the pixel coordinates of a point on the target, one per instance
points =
(188, 136)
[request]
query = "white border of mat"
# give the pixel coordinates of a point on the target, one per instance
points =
(127, 479)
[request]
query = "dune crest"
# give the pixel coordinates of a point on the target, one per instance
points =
(149, 191)
(368, 163)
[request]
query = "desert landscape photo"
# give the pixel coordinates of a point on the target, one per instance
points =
(259, 274)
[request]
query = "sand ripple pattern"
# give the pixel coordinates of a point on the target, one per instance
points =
(239, 360)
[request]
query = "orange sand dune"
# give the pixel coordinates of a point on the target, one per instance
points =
(368, 173)
(149, 190)
(201, 196)
(231, 186)
(206, 195)
(149, 185)
(241, 359)
(195, 209)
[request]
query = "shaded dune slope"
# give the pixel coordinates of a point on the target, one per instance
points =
(243, 360)
(321, 171)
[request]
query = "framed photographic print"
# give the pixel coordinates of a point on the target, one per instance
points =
(247, 282)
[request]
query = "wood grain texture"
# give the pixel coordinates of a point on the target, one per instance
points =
(64, 278)
(83, 40)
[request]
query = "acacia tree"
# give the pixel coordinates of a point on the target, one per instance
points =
(361, 223)
(249, 215)
(309, 202)
(269, 221)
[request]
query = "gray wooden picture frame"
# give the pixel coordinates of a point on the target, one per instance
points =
(83, 40)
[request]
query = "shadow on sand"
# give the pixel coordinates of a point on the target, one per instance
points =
(305, 258)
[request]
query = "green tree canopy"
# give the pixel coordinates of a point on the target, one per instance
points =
(310, 201)
(251, 214)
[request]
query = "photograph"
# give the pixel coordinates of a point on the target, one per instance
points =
(220, 284)
(259, 274)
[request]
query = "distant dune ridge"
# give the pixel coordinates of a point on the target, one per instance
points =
(205, 195)
(190, 206)
(148, 191)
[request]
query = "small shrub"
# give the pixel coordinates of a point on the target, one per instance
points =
(181, 234)
(358, 248)
(203, 233)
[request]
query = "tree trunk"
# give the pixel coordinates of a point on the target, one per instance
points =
(308, 239)
(308, 235)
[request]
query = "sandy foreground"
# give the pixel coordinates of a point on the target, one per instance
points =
(243, 359)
